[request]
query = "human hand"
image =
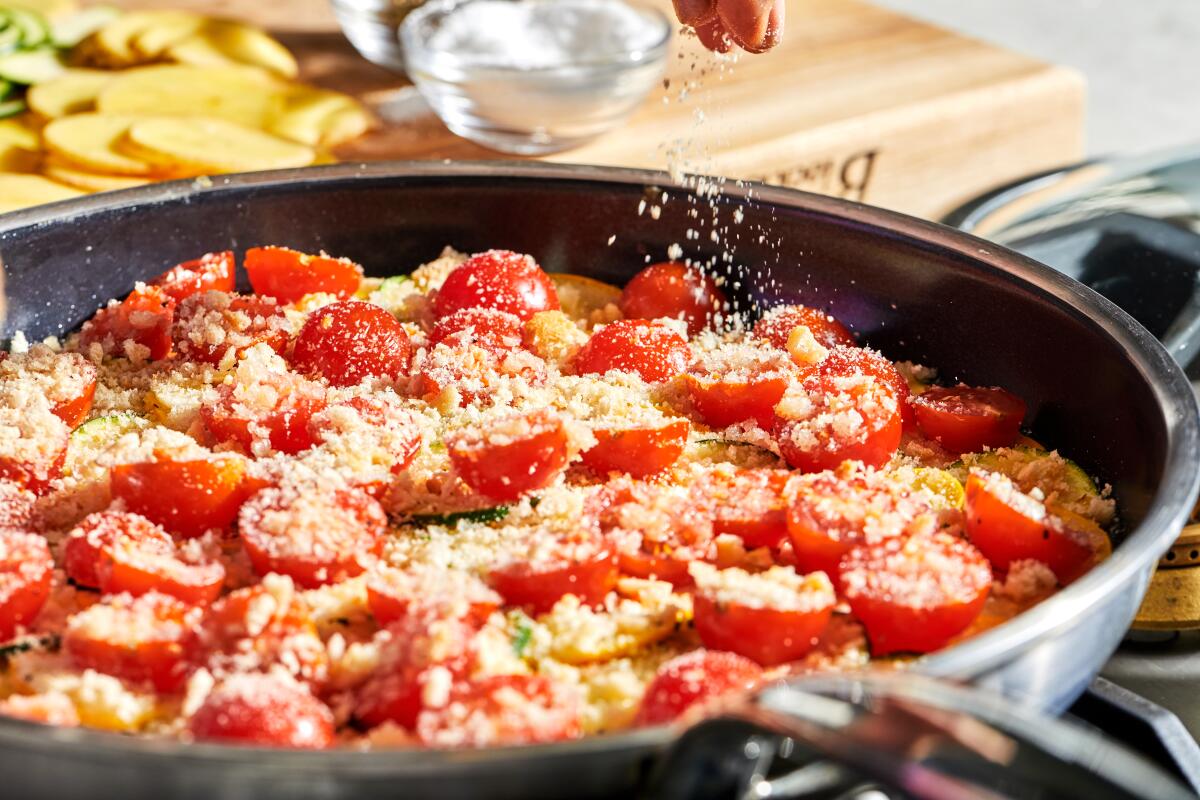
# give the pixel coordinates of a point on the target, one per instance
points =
(753, 25)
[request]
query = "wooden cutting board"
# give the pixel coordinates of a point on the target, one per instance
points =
(858, 102)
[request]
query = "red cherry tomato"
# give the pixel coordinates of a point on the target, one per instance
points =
(721, 402)
(313, 534)
(473, 372)
(913, 594)
(74, 410)
(68, 380)
(34, 456)
(831, 513)
(263, 711)
(137, 639)
(394, 593)
(375, 431)
(693, 679)
(498, 279)
(584, 568)
(257, 630)
(288, 275)
(84, 545)
(966, 419)
(649, 350)
(143, 318)
(208, 325)
(638, 452)
(1008, 525)
(26, 567)
(848, 418)
(185, 497)
(749, 504)
(492, 329)
(237, 414)
(674, 290)
(846, 362)
(16, 507)
(350, 341)
(777, 324)
(211, 272)
(408, 659)
(502, 710)
(760, 628)
(511, 456)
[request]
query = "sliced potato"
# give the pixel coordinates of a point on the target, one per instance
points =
(22, 191)
(55, 169)
(240, 94)
(152, 42)
(114, 44)
(91, 143)
(20, 132)
(214, 145)
(74, 92)
(320, 117)
(220, 42)
(586, 300)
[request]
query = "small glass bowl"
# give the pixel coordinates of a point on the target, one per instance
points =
(372, 26)
(530, 111)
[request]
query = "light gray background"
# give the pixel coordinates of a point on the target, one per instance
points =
(1141, 58)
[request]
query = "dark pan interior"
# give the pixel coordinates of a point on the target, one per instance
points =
(912, 299)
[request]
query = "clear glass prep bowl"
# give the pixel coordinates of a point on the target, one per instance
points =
(529, 111)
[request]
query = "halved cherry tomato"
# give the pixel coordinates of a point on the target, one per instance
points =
(350, 341)
(263, 711)
(849, 418)
(650, 350)
(966, 419)
(208, 325)
(288, 275)
(185, 497)
(408, 659)
(490, 328)
(313, 534)
(498, 279)
(210, 272)
(1008, 525)
(914, 593)
(846, 362)
(84, 545)
(136, 639)
(721, 402)
(511, 456)
(284, 426)
(25, 572)
(68, 380)
(833, 512)
(674, 290)
(394, 593)
(638, 452)
(473, 372)
(748, 504)
(692, 679)
(777, 324)
(758, 627)
(375, 433)
(256, 629)
(74, 411)
(143, 318)
(585, 569)
(33, 457)
(16, 506)
(500, 710)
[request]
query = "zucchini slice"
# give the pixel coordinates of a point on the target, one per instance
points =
(32, 66)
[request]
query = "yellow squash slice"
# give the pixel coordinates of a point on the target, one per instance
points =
(244, 95)
(74, 92)
(214, 145)
(221, 42)
(114, 45)
(55, 169)
(91, 142)
(321, 118)
(152, 42)
(21, 191)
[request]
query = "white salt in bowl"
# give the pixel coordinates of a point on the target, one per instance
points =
(534, 76)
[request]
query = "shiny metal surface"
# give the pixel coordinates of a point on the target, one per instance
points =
(1043, 659)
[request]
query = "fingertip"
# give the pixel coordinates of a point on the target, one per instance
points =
(712, 34)
(695, 12)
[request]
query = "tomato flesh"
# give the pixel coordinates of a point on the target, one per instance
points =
(288, 275)
(137, 639)
(778, 323)
(722, 403)
(693, 679)
(650, 350)
(313, 534)
(392, 594)
(500, 710)
(674, 290)
(237, 636)
(26, 568)
(844, 361)
(590, 576)
(749, 504)
(511, 456)
(500, 280)
(263, 711)
(913, 594)
(16, 507)
(185, 497)
(1008, 525)
(490, 328)
(966, 419)
(211, 272)
(638, 452)
(143, 318)
(285, 425)
(347, 342)
(208, 325)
